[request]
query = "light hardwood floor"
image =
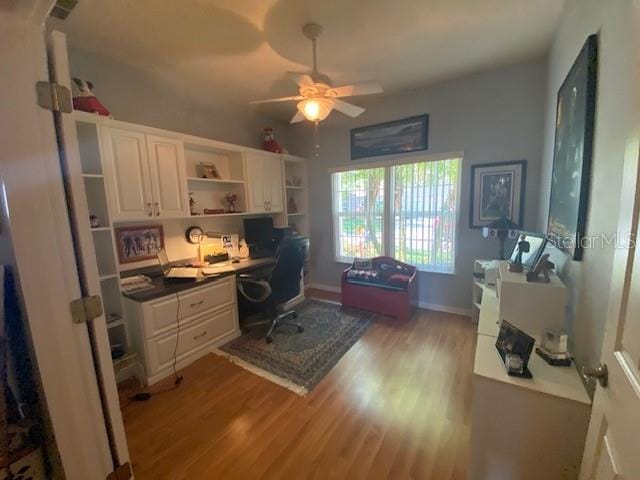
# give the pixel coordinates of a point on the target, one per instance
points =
(396, 406)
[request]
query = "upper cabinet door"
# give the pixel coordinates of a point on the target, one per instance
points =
(255, 182)
(274, 183)
(168, 177)
(127, 174)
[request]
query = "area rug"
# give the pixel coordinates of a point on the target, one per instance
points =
(299, 361)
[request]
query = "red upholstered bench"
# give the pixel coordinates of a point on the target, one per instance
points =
(388, 287)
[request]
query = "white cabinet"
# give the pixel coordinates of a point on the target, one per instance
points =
(145, 175)
(264, 182)
(188, 324)
(168, 177)
(126, 171)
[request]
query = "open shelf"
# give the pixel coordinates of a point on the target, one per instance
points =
(296, 213)
(89, 147)
(101, 229)
(214, 180)
(294, 187)
(228, 163)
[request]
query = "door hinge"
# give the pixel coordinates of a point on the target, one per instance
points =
(86, 308)
(122, 472)
(54, 97)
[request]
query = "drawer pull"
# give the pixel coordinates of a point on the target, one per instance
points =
(197, 304)
(200, 335)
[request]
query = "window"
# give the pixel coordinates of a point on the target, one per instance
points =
(414, 223)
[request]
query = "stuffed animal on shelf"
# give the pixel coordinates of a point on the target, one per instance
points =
(269, 142)
(85, 100)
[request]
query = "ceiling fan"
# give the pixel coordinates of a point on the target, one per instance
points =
(317, 97)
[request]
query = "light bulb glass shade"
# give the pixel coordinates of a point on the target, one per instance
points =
(315, 109)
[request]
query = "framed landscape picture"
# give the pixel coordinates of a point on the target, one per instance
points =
(139, 243)
(573, 148)
(398, 136)
(497, 191)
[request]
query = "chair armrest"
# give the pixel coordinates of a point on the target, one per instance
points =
(263, 285)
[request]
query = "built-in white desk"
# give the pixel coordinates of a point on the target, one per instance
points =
(523, 429)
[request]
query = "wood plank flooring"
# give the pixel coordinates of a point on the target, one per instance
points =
(396, 406)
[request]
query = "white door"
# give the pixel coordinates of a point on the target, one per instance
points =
(274, 183)
(85, 259)
(612, 449)
(257, 193)
(168, 177)
(126, 172)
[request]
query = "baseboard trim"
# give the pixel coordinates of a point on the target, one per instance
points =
(445, 309)
(328, 288)
(424, 305)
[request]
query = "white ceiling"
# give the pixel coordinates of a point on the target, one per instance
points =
(240, 49)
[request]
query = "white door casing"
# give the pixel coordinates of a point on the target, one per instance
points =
(168, 177)
(126, 171)
(612, 449)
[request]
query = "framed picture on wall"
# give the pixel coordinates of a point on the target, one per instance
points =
(497, 191)
(399, 136)
(573, 148)
(139, 243)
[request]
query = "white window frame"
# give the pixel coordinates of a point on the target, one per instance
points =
(388, 212)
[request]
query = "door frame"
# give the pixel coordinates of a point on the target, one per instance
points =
(36, 223)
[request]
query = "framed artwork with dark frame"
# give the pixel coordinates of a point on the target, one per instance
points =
(135, 244)
(573, 149)
(399, 136)
(497, 191)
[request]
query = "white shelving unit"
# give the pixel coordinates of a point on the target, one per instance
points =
(296, 194)
(104, 246)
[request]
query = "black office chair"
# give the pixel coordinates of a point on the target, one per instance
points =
(279, 286)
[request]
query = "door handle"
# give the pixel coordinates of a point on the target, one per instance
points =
(600, 373)
(150, 209)
(157, 209)
(196, 337)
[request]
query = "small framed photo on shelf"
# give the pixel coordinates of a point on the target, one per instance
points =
(135, 244)
(207, 170)
(497, 191)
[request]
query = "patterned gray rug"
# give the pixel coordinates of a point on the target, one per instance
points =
(301, 359)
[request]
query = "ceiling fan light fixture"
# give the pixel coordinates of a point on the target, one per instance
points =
(316, 109)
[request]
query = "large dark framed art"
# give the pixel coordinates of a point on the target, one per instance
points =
(497, 191)
(399, 136)
(573, 149)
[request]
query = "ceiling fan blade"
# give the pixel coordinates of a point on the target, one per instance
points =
(281, 99)
(347, 108)
(298, 117)
(302, 79)
(358, 89)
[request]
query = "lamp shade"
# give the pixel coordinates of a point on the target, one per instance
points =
(315, 109)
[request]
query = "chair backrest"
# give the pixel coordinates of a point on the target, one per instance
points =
(286, 275)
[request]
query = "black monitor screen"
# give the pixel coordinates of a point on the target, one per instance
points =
(258, 231)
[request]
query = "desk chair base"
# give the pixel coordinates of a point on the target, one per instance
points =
(275, 322)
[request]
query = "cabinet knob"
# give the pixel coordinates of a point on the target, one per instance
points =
(157, 209)
(600, 373)
(150, 213)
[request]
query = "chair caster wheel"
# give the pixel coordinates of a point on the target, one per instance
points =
(269, 339)
(300, 328)
(294, 315)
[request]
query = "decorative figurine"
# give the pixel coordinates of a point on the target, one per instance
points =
(94, 221)
(291, 206)
(231, 199)
(85, 100)
(543, 266)
(523, 247)
(192, 205)
(269, 142)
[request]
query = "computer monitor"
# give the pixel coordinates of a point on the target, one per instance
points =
(259, 231)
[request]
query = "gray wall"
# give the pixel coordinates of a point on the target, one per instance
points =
(132, 95)
(588, 280)
(492, 116)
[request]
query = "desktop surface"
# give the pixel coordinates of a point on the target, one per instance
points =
(163, 286)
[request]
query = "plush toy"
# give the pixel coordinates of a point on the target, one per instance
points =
(270, 143)
(85, 100)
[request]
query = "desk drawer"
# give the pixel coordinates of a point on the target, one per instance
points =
(160, 316)
(204, 329)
